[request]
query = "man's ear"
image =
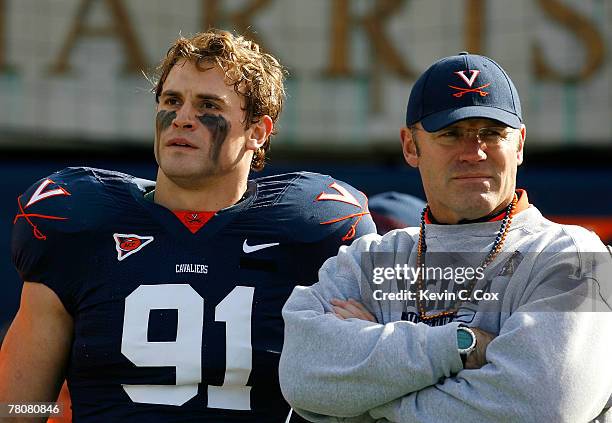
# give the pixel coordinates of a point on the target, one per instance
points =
(259, 132)
(409, 147)
(521, 145)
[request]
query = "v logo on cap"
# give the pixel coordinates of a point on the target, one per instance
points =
(473, 74)
(464, 86)
(461, 91)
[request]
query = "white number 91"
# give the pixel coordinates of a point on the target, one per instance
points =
(185, 354)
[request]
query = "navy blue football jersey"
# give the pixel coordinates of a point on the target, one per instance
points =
(169, 325)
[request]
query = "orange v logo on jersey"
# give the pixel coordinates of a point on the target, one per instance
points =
(344, 196)
(39, 194)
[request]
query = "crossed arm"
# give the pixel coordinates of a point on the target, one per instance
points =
(344, 368)
(520, 394)
(353, 309)
(545, 364)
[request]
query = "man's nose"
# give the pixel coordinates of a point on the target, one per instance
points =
(472, 150)
(185, 117)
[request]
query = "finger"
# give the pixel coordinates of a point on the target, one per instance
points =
(358, 312)
(355, 311)
(364, 312)
(336, 303)
(346, 306)
(363, 309)
(356, 304)
(343, 312)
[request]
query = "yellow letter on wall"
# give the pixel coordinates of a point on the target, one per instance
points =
(584, 30)
(121, 29)
(240, 20)
(372, 24)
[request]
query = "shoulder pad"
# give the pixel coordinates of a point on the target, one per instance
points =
(316, 206)
(73, 199)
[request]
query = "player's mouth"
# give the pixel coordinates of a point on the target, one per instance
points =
(180, 143)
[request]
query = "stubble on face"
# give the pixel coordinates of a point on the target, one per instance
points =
(451, 199)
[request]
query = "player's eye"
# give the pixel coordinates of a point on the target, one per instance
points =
(208, 105)
(171, 101)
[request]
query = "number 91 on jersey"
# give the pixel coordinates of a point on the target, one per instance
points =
(185, 354)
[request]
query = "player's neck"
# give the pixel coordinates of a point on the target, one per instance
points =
(212, 195)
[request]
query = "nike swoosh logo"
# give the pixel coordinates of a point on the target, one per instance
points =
(252, 248)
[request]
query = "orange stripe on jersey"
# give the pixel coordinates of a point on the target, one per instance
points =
(194, 220)
(353, 229)
(37, 233)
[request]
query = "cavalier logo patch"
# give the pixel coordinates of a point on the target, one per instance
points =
(469, 82)
(128, 244)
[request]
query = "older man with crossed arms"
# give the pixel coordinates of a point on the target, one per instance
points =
(540, 352)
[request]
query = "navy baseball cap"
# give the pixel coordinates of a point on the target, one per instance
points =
(461, 87)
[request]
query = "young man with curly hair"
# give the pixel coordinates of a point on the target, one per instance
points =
(161, 301)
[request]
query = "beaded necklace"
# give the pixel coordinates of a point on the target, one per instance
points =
(495, 250)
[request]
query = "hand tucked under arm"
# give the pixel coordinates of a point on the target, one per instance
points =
(478, 358)
(351, 309)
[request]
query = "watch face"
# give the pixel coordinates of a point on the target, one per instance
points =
(464, 339)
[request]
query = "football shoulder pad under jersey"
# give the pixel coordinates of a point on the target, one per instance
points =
(75, 199)
(56, 214)
(312, 206)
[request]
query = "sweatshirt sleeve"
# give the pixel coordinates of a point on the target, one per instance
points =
(344, 368)
(550, 362)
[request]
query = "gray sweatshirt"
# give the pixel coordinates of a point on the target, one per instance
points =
(551, 359)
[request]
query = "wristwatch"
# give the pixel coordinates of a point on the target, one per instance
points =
(466, 342)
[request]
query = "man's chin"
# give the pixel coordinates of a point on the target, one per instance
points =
(186, 175)
(477, 204)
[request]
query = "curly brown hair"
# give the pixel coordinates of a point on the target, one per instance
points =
(256, 76)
